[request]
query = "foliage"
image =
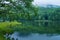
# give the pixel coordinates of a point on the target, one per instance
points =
(22, 16)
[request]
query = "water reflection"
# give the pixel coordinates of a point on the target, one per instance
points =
(35, 36)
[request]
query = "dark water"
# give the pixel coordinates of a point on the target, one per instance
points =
(34, 36)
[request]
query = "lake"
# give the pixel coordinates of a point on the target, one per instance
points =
(34, 36)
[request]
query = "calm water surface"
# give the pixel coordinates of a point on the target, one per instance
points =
(35, 36)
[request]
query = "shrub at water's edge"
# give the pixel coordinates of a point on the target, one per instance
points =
(7, 27)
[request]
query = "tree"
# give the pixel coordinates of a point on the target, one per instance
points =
(14, 7)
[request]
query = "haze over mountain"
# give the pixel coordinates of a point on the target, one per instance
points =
(46, 2)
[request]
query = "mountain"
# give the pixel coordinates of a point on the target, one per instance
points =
(48, 5)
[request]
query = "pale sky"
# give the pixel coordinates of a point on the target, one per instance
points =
(45, 2)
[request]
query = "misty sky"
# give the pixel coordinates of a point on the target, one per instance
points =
(45, 2)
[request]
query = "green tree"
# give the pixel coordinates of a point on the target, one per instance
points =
(11, 8)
